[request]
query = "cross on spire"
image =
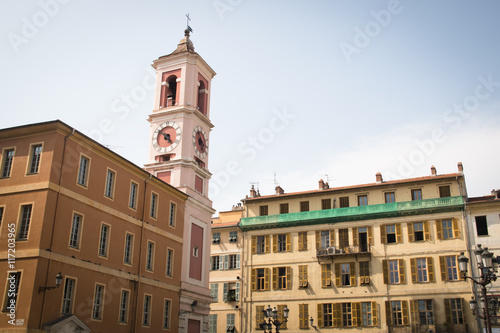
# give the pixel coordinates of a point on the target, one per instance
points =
(187, 23)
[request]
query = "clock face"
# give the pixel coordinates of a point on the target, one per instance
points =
(200, 142)
(166, 137)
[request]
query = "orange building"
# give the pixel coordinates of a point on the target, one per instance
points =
(112, 233)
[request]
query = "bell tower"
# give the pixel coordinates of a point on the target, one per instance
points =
(179, 147)
(180, 122)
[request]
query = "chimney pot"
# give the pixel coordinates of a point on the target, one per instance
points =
(378, 177)
(253, 193)
(433, 170)
(460, 167)
(279, 190)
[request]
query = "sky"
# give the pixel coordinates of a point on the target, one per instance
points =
(305, 90)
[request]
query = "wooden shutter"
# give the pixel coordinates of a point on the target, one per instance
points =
(413, 269)
(383, 234)
(320, 315)
(267, 241)
(444, 271)
(318, 239)
(254, 244)
(385, 269)
(254, 279)
(238, 260)
(266, 278)
(237, 291)
(303, 315)
(337, 275)
(337, 313)
(224, 297)
(355, 236)
(374, 314)
(370, 235)
(447, 310)
(411, 232)
(404, 305)
(402, 276)
(356, 314)
(302, 241)
(456, 231)
(275, 278)
(352, 267)
(332, 237)
(326, 275)
(221, 262)
(414, 311)
(430, 269)
(288, 242)
(288, 277)
(399, 238)
(388, 313)
(439, 229)
(427, 232)
(226, 261)
(275, 243)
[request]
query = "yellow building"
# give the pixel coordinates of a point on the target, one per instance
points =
(226, 273)
(379, 257)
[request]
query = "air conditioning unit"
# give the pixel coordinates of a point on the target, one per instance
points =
(330, 250)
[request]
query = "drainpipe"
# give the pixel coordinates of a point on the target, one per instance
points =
(54, 222)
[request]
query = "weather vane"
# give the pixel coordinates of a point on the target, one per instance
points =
(187, 23)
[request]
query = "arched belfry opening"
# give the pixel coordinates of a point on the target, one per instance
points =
(202, 97)
(169, 96)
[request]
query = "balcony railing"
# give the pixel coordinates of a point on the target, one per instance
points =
(344, 250)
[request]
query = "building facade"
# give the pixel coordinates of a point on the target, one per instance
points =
(178, 155)
(226, 272)
(70, 207)
(376, 257)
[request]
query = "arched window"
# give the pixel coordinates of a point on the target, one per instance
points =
(202, 97)
(169, 92)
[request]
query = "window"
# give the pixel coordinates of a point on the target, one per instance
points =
(263, 210)
(362, 200)
(362, 237)
(123, 315)
(325, 239)
(110, 184)
(170, 263)
(231, 292)
(326, 275)
(214, 291)
(233, 236)
(234, 261)
(303, 316)
(282, 278)
(344, 202)
(390, 233)
(173, 212)
(216, 263)
(1, 216)
(364, 272)
(418, 231)
(36, 153)
(282, 243)
(259, 315)
(14, 278)
(150, 256)
(390, 197)
(127, 253)
(153, 207)
(230, 319)
(416, 194)
(345, 274)
(22, 233)
(167, 305)
(481, 226)
(422, 270)
(216, 238)
(344, 240)
(304, 206)
(132, 200)
(103, 241)
(346, 314)
(69, 288)
(454, 311)
(74, 239)
(98, 302)
(422, 312)
(284, 208)
(198, 184)
(303, 276)
(326, 203)
(212, 323)
(303, 241)
(260, 279)
(369, 314)
(327, 314)
(83, 171)
(281, 315)
(8, 158)
(444, 191)
(394, 271)
(260, 244)
(447, 229)
(397, 313)
(449, 268)
(146, 313)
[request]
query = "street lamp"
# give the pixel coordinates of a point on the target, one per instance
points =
(487, 266)
(272, 319)
(59, 279)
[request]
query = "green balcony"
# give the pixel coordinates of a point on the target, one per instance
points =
(395, 209)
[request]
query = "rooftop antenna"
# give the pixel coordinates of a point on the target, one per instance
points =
(187, 23)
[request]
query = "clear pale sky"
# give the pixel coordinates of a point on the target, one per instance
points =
(304, 90)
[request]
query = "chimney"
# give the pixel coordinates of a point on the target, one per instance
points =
(323, 185)
(460, 167)
(252, 192)
(279, 190)
(433, 170)
(378, 177)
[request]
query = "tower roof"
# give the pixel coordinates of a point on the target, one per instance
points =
(185, 45)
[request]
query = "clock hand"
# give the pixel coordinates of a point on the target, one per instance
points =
(166, 136)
